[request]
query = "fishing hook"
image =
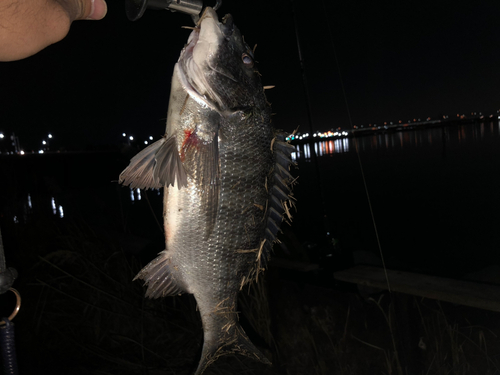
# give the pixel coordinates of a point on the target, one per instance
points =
(217, 5)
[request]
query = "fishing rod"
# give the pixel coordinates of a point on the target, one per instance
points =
(7, 341)
(136, 8)
(356, 146)
(314, 157)
(319, 183)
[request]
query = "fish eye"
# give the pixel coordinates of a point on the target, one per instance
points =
(247, 60)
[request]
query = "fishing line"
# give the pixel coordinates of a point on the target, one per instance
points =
(356, 145)
(314, 157)
(152, 211)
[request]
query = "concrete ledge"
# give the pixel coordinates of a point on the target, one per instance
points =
(468, 293)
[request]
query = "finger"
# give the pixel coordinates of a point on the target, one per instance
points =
(84, 9)
(29, 27)
(98, 10)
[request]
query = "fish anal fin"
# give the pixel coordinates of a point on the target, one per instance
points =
(161, 278)
(231, 339)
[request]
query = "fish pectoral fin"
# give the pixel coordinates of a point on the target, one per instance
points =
(231, 339)
(201, 160)
(169, 166)
(156, 166)
(139, 173)
(160, 277)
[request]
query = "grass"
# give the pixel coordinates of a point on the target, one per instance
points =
(89, 312)
(82, 313)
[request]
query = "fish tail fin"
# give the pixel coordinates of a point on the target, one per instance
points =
(231, 339)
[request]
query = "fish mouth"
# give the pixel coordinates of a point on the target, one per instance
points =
(196, 59)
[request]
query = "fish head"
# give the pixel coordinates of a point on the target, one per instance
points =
(219, 67)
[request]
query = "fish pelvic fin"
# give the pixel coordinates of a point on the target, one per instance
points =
(161, 278)
(156, 166)
(230, 339)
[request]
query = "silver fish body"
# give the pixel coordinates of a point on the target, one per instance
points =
(227, 185)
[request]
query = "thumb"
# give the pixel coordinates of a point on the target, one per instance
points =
(84, 9)
(97, 11)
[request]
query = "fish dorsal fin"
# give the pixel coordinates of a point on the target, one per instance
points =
(279, 203)
(161, 278)
(201, 160)
(280, 194)
(156, 166)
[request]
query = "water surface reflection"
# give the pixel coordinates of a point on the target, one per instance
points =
(413, 138)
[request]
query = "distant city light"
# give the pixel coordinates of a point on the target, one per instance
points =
(124, 135)
(54, 208)
(328, 134)
(145, 142)
(50, 135)
(40, 151)
(1, 135)
(44, 143)
(131, 138)
(150, 138)
(22, 152)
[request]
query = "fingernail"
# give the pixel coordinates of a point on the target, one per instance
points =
(98, 10)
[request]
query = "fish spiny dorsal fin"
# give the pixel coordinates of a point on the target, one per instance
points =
(280, 198)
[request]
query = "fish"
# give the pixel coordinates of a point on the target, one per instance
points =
(225, 171)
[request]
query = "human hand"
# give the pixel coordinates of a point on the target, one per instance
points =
(28, 26)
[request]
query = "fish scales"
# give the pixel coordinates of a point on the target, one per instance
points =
(224, 170)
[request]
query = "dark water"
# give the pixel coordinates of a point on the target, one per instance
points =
(78, 187)
(434, 195)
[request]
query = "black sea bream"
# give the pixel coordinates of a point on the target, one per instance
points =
(226, 176)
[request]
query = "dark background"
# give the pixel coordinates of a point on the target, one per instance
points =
(435, 203)
(398, 61)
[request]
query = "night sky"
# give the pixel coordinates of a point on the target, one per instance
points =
(397, 60)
